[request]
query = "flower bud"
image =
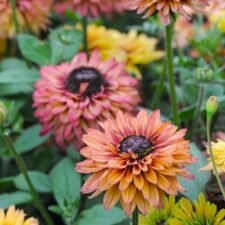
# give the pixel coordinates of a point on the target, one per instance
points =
(211, 106)
(204, 74)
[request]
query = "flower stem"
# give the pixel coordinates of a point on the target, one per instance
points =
(37, 201)
(135, 217)
(198, 108)
(170, 72)
(159, 88)
(85, 34)
(13, 5)
(208, 125)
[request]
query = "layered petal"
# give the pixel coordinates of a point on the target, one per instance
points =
(143, 156)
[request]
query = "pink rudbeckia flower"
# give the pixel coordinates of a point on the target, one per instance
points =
(91, 8)
(71, 97)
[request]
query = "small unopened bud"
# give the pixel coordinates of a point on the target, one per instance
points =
(204, 74)
(211, 106)
(3, 113)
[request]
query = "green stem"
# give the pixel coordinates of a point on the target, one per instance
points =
(85, 35)
(198, 108)
(13, 5)
(38, 203)
(170, 72)
(135, 217)
(212, 157)
(159, 89)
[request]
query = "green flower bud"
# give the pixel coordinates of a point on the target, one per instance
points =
(211, 106)
(3, 113)
(204, 74)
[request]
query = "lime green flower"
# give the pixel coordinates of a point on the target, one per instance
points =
(159, 216)
(199, 212)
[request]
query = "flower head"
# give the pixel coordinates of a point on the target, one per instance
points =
(71, 97)
(157, 216)
(199, 212)
(31, 15)
(134, 49)
(135, 160)
(15, 217)
(218, 149)
(165, 7)
(90, 8)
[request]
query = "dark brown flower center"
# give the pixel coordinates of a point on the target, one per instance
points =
(161, 223)
(86, 81)
(139, 145)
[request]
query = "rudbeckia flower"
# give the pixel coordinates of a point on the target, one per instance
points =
(134, 49)
(165, 7)
(135, 161)
(218, 149)
(200, 212)
(90, 8)
(15, 217)
(31, 15)
(71, 97)
(159, 216)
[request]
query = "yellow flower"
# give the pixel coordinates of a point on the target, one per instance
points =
(199, 212)
(133, 49)
(15, 217)
(218, 18)
(159, 216)
(218, 149)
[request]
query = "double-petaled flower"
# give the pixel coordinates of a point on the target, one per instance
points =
(135, 161)
(165, 7)
(91, 8)
(31, 15)
(71, 97)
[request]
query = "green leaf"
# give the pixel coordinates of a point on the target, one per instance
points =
(65, 43)
(12, 63)
(34, 50)
(14, 198)
(16, 76)
(56, 209)
(66, 183)
(194, 187)
(14, 89)
(40, 181)
(97, 215)
(30, 139)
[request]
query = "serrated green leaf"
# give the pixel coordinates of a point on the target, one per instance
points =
(66, 183)
(40, 181)
(14, 198)
(98, 215)
(34, 50)
(30, 139)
